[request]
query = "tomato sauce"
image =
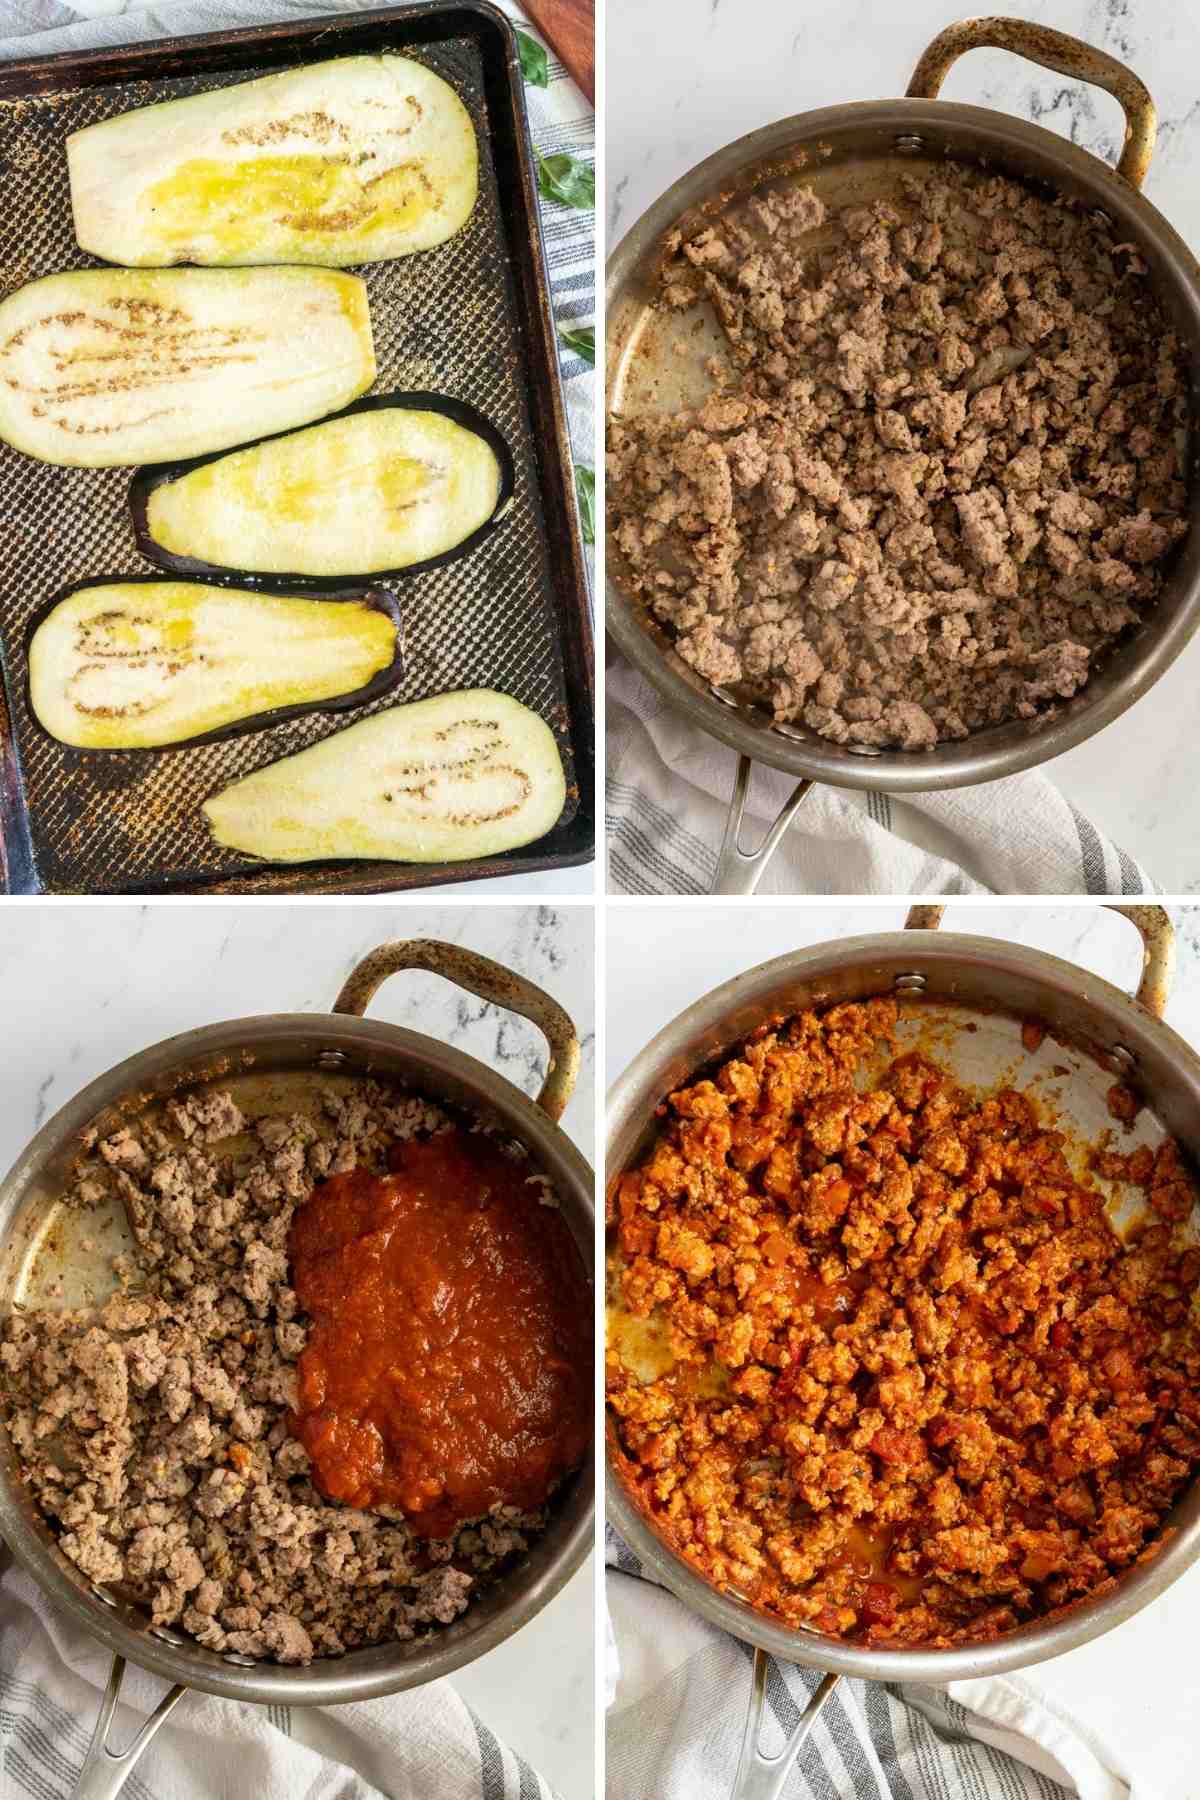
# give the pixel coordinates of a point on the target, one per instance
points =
(832, 1302)
(865, 1550)
(448, 1364)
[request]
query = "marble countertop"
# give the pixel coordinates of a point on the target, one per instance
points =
(86, 985)
(1138, 1689)
(685, 77)
(547, 885)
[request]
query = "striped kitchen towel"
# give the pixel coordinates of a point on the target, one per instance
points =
(668, 790)
(406, 1746)
(678, 1690)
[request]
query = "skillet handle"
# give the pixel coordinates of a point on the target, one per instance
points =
(1158, 948)
(924, 918)
(740, 871)
(762, 1777)
(1158, 955)
(1065, 56)
(104, 1771)
(491, 981)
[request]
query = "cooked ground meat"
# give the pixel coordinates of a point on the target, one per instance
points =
(919, 1391)
(939, 470)
(153, 1431)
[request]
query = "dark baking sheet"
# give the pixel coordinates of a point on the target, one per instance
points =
(471, 319)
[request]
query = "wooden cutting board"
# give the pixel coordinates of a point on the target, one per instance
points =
(569, 27)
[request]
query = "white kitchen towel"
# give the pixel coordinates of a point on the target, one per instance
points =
(678, 1690)
(424, 1745)
(668, 793)
(414, 1746)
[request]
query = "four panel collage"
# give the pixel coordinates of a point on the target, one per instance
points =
(508, 1299)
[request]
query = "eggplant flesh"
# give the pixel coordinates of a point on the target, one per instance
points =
(105, 368)
(463, 775)
(130, 665)
(349, 161)
(376, 490)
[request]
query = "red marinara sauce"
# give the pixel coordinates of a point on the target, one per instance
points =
(448, 1364)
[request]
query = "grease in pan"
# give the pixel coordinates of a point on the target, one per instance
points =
(396, 483)
(145, 663)
(462, 775)
(354, 160)
(105, 368)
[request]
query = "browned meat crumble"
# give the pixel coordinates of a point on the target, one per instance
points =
(152, 1431)
(940, 470)
(918, 1390)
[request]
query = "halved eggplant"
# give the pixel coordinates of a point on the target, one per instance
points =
(396, 483)
(348, 161)
(443, 780)
(139, 663)
(107, 367)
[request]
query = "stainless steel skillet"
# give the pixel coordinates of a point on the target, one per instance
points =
(973, 993)
(268, 1062)
(849, 154)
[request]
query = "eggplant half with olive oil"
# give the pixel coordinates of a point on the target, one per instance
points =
(463, 775)
(395, 484)
(349, 161)
(102, 368)
(136, 664)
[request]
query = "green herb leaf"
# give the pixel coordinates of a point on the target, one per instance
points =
(585, 489)
(582, 341)
(568, 181)
(534, 65)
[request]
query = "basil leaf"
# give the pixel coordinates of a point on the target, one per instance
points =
(534, 65)
(568, 181)
(585, 489)
(582, 342)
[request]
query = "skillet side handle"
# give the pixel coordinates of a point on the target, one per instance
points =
(740, 871)
(1158, 955)
(762, 1777)
(924, 918)
(104, 1771)
(1065, 56)
(1158, 948)
(490, 981)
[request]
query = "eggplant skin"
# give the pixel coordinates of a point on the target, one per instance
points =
(107, 368)
(132, 665)
(377, 490)
(349, 161)
(463, 775)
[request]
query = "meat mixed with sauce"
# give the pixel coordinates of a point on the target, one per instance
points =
(938, 473)
(368, 1282)
(879, 1362)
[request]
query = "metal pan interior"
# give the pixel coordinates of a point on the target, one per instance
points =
(851, 155)
(978, 1039)
(53, 1254)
